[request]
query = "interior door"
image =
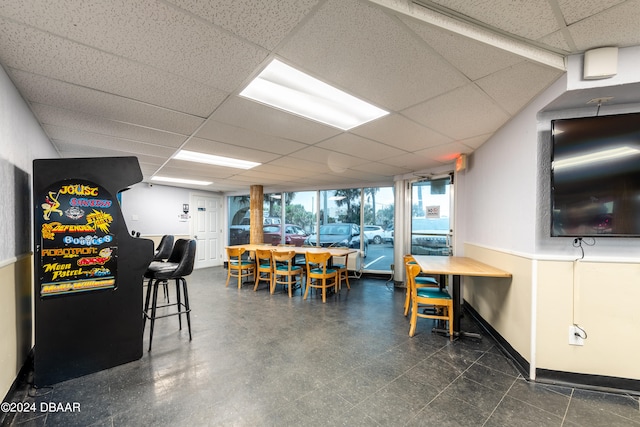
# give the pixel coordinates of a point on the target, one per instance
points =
(207, 230)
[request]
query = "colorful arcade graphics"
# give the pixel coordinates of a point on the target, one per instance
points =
(78, 251)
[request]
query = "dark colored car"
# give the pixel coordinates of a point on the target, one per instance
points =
(294, 235)
(339, 235)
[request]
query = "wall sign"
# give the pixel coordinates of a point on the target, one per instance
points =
(432, 211)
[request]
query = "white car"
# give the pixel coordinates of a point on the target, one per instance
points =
(387, 236)
(373, 233)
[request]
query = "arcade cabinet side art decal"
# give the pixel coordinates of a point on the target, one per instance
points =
(77, 251)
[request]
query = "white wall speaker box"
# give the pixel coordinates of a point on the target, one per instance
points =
(601, 63)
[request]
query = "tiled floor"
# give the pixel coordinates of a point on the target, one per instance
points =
(266, 360)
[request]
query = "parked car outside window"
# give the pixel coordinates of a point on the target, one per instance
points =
(387, 236)
(294, 235)
(373, 233)
(339, 235)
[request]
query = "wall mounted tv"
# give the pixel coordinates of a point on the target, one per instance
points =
(595, 176)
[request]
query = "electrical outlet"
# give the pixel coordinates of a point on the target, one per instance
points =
(575, 337)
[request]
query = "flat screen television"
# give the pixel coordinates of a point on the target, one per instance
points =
(595, 176)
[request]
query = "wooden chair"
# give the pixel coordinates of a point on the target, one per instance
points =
(429, 298)
(341, 266)
(264, 268)
(421, 282)
(318, 275)
(285, 272)
(238, 267)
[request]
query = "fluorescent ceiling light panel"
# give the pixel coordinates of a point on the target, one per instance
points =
(180, 180)
(599, 156)
(288, 89)
(210, 159)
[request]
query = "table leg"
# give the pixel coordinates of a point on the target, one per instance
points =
(456, 304)
(457, 310)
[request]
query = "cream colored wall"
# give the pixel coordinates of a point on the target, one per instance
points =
(15, 318)
(504, 303)
(602, 298)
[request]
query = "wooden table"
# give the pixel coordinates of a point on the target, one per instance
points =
(300, 250)
(457, 266)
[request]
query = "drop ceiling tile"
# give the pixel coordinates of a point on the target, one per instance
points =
(328, 182)
(41, 53)
(148, 170)
(222, 132)
(230, 186)
(180, 168)
(559, 40)
(311, 168)
(447, 153)
(528, 19)
(336, 162)
(59, 117)
(259, 118)
(358, 146)
(361, 178)
(460, 114)
(506, 87)
(475, 142)
(412, 162)
(109, 77)
(381, 169)
(617, 26)
(71, 150)
(379, 59)
(228, 150)
(288, 171)
(260, 179)
(149, 32)
(79, 137)
(38, 89)
(400, 132)
(265, 23)
(473, 58)
(575, 11)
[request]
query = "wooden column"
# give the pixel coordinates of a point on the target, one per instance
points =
(256, 205)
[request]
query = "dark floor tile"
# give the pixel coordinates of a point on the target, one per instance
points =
(435, 372)
(511, 412)
(459, 355)
(498, 362)
(353, 418)
(321, 402)
(603, 409)
(356, 386)
(553, 399)
(475, 394)
(258, 359)
(448, 411)
(398, 402)
(38, 421)
(489, 377)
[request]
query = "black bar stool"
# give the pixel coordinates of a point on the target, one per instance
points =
(160, 256)
(179, 265)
